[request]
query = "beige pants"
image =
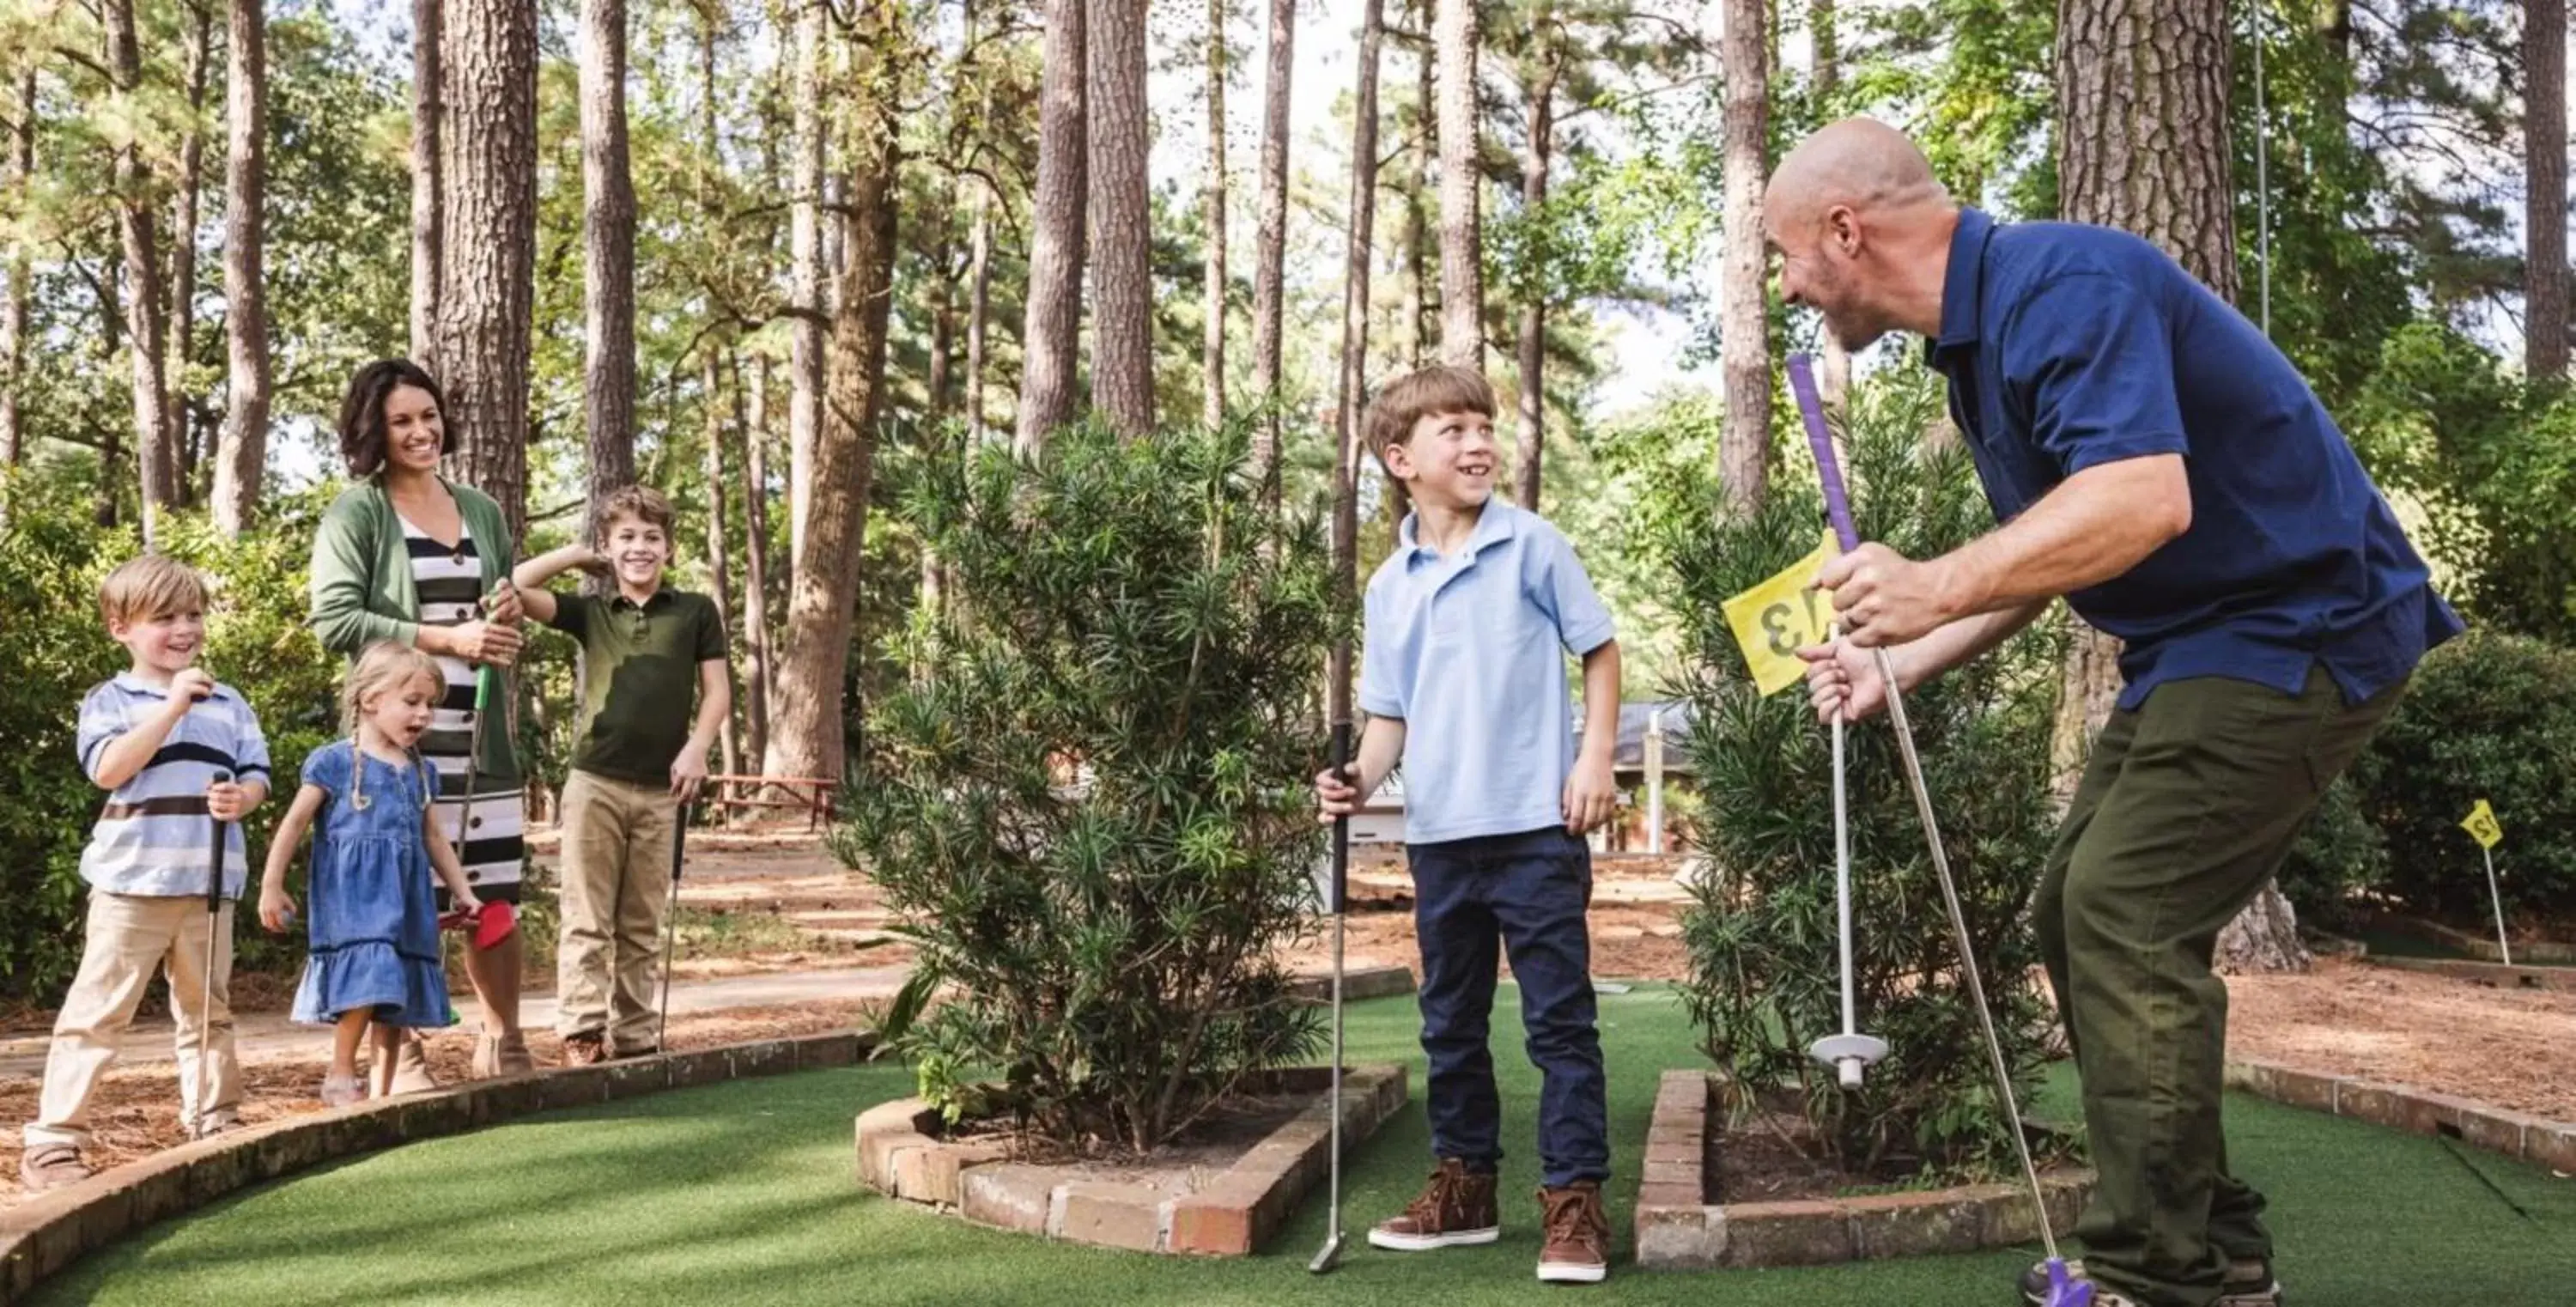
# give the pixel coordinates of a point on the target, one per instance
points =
(616, 872)
(129, 938)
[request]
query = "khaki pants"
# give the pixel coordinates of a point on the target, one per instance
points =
(616, 870)
(129, 938)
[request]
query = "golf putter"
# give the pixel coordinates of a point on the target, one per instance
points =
(206, 996)
(670, 924)
(1336, 901)
(2063, 1290)
(1850, 1052)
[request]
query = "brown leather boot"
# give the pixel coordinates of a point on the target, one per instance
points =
(1578, 1234)
(1457, 1207)
(584, 1050)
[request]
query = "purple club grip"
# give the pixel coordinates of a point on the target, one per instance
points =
(1820, 441)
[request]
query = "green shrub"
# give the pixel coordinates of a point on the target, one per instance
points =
(2489, 716)
(2339, 861)
(1764, 982)
(1091, 807)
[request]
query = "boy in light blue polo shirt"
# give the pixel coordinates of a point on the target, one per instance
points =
(1463, 677)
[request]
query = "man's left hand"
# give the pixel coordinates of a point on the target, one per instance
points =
(1881, 597)
(689, 773)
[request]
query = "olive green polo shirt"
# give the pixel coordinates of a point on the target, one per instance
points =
(639, 678)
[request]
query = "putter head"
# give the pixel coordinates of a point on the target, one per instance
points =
(1327, 1259)
(495, 923)
(2065, 1291)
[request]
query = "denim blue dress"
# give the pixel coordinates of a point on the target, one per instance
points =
(369, 908)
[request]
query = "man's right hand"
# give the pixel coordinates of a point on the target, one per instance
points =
(1335, 796)
(1842, 677)
(484, 642)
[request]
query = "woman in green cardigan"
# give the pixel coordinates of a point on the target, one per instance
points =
(406, 556)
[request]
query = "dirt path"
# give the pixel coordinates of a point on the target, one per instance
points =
(2512, 1048)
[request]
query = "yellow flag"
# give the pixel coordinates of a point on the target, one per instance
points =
(1773, 619)
(2482, 826)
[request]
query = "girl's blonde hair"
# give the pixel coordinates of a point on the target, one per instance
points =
(385, 664)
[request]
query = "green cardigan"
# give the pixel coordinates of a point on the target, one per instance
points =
(362, 587)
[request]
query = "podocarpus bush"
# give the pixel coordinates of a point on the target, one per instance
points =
(1090, 805)
(2488, 716)
(1764, 980)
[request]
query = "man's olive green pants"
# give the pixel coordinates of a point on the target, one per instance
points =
(2187, 806)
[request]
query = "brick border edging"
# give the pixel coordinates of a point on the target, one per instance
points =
(2484, 973)
(900, 1157)
(1358, 984)
(1677, 1229)
(2477, 946)
(2548, 1144)
(49, 1232)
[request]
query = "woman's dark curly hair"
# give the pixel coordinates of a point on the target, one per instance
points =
(362, 412)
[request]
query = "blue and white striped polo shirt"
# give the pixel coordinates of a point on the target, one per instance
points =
(152, 836)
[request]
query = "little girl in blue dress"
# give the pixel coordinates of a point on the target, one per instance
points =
(372, 919)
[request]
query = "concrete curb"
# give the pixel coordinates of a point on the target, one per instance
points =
(1678, 1229)
(2548, 1144)
(2484, 973)
(900, 1155)
(45, 1234)
(2480, 946)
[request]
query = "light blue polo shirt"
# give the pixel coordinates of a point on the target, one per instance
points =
(1469, 651)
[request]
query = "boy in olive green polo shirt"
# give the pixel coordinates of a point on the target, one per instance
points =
(637, 756)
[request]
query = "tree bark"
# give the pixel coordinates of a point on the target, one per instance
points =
(17, 173)
(111, 337)
(1122, 300)
(488, 234)
(719, 569)
(1355, 331)
(1270, 249)
(428, 163)
(1539, 92)
(806, 345)
(755, 580)
(608, 257)
(183, 251)
(1744, 323)
(1421, 317)
(1054, 315)
(243, 461)
(141, 236)
(979, 305)
(2544, 133)
(1212, 206)
(1833, 373)
(2142, 145)
(940, 383)
(1462, 272)
(806, 736)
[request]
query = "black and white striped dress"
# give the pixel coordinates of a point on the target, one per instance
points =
(450, 582)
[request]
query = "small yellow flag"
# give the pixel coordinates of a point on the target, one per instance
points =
(1772, 620)
(2482, 826)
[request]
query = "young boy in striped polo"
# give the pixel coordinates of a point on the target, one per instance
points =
(176, 751)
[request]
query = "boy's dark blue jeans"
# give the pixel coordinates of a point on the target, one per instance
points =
(1527, 894)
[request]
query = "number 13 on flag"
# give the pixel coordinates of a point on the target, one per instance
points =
(2482, 826)
(1773, 620)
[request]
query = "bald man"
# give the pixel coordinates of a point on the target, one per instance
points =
(2154, 460)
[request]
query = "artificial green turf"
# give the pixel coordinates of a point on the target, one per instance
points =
(746, 1193)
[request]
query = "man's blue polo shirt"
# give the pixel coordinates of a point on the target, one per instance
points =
(2068, 346)
(1469, 650)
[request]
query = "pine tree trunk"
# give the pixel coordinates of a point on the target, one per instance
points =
(141, 236)
(2544, 133)
(1421, 313)
(183, 252)
(979, 306)
(1540, 94)
(428, 163)
(1212, 207)
(1833, 372)
(488, 237)
(1462, 272)
(1349, 441)
(243, 461)
(1122, 300)
(719, 564)
(1744, 324)
(608, 258)
(939, 386)
(1054, 317)
(17, 172)
(806, 345)
(755, 578)
(2142, 145)
(1270, 249)
(806, 735)
(111, 451)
